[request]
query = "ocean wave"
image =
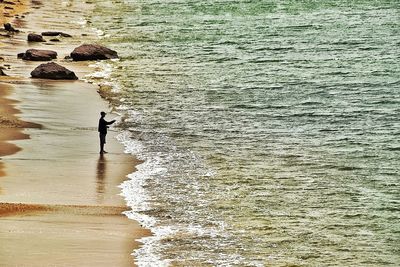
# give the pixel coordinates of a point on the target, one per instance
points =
(137, 197)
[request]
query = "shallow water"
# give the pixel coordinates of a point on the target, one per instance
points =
(270, 131)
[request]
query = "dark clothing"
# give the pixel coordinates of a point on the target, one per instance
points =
(102, 138)
(103, 125)
(103, 131)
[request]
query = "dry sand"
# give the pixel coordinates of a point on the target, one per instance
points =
(59, 199)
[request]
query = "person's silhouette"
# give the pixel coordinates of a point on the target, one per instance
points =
(103, 130)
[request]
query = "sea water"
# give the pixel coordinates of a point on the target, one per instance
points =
(269, 130)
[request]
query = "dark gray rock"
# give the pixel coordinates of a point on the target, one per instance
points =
(32, 37)
(53, 71)
(9, 28)
(92, 52)
(56, 34)
(38, 55)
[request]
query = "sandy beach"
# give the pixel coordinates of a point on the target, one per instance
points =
(59, 199)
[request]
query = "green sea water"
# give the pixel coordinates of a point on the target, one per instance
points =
(269, 129)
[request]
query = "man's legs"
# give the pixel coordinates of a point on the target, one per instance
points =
(102, 142)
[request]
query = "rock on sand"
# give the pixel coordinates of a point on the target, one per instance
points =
(92, 52)
(38, 55)
(32, 37)
(53, 71)
(8, 27)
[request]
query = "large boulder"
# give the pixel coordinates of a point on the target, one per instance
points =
(32, 37)
(63, 34)
(53, 71)
(38, 55)
(92, 52)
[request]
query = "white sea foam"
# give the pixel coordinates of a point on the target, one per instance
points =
(115, 86)
(123, 108)
(101, 76)
(103, 70)
(148, 254)
(138, 198)
(98, 32)
(130, 116)
(134, 192)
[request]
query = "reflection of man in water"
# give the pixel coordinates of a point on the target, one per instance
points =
(103, 131)
(101, 177)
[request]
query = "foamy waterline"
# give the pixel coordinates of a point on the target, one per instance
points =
(137, 198)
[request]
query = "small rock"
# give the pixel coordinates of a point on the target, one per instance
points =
(32, 37)
(37, 2)
(2, 73)
(54, 40)
(92, 52)
(56, 34)
(65, 34)
(38, 55)
(53, 71)
(9, 28)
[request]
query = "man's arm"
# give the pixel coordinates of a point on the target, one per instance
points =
(110, 122)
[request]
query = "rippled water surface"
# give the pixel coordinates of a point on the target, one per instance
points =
(269, 129)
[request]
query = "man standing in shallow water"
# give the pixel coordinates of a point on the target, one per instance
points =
(102, 129)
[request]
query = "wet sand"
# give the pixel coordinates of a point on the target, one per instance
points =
(59, 199)
(71, 208)
(8, 11)
(9, 124)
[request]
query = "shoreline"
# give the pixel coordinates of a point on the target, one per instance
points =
(57, 194)
(11, 125)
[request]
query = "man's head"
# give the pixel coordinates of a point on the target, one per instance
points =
(103, 114)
